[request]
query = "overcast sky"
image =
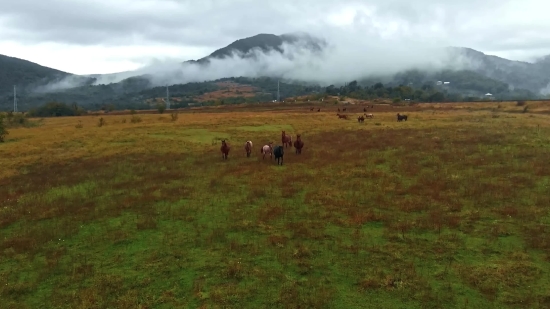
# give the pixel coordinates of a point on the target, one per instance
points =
(105, 36)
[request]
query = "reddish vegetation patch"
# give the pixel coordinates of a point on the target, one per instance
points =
(229, 90)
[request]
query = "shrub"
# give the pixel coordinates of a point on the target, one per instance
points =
(135, 119)
(161, 107)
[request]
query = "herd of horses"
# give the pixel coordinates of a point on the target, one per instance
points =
(276, 152)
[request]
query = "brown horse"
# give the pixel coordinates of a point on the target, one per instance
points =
(342, 116)
(298, 144)
(361, 119)
(248, 148)
(286, 139)
(225, 149)
(401, 117)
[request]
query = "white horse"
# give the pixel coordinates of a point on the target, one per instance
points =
(248, 148)
(369, 115)
(267, 149)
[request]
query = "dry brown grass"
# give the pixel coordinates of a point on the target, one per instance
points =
(446, 210)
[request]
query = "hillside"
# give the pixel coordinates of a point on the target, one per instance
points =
(23, 73)
(518, 74)
(264, 42)
(37, 85)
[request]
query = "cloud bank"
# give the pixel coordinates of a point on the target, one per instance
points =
(345, 58)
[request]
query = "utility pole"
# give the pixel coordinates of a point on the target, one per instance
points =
(278, 94)
(14, 100)
(167, 98)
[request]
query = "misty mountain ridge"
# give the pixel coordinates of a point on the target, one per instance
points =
(480, 73)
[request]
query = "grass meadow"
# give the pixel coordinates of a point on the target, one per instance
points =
(446, 210)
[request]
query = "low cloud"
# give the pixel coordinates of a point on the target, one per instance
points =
(340, 61)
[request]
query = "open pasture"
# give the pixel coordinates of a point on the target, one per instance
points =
(448, 209)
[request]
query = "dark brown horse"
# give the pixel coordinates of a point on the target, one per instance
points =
(401, 117)
(248, 148)
(286, 139)
(361, 119)
(225, 149)
(298, 144)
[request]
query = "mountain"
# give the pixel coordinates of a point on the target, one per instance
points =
(518, 74)
(31, 77)
(480, 74)
(264, 43)
(15, 71)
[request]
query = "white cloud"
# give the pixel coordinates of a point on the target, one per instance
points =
(100, 36)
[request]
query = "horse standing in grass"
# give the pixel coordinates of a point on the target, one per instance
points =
(361, 119)
(401, 117)
(286, 139)
(298, 144)
(225, 149)
(369, 115)
(267, 149)
(248, 148)
(279, 152)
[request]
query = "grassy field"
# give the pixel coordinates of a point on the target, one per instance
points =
(446, 210)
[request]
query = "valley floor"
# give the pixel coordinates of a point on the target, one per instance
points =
(446, 210)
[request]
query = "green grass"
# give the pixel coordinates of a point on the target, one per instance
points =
(446, 215)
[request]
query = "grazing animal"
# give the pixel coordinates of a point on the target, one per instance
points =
(267, 149)
(298, 144)
(344, 109)
(279, 152)
(319, 110)
(401, 117)
(248, 148)
(369, 115)
(342, 116)
(338, 109)
(286, 139)
(361, 119)
(364, 109)
(225, 149)
(372, 106)
(311, 109)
